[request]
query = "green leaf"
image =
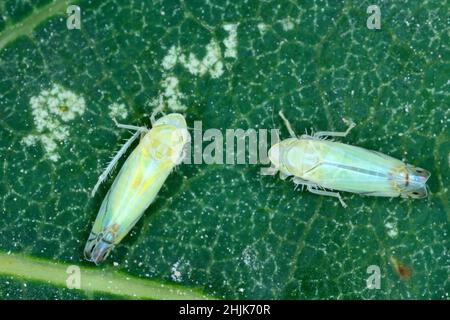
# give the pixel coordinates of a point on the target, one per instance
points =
(225, 229)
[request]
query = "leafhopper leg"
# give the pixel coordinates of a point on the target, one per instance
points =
(155, 113)
(350, 124)
(298, 180)
(301, 182)
(269, 171)
(128, 126)
(314, 190)
(287, 124)
(283, 176)
(123, 149)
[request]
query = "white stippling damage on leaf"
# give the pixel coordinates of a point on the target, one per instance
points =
(117, 111)
(170, 97)
(212, 64)
(287, 24)
(52, 110)
(231, 42)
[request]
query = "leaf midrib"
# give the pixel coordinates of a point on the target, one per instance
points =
(27, 25)
(94, 279)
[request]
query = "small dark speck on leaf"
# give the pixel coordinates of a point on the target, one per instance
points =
(403, 270)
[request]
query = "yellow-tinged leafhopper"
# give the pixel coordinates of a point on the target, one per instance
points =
(138, 182)
(323, 165)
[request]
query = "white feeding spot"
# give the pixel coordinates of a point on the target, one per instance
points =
(117, 111)
(51, 110)
(211, 62)
(391, 229)
(171, 96)
(178, 267)
(231, 42)
(262, 27)
(193, 64)
(176, 275)
(407, 107)
(287, 24)
(170, 60)
(249, 258)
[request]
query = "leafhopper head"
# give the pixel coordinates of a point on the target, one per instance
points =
(274, 155)
(279, 155)
(175, 119)
(168, 138)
